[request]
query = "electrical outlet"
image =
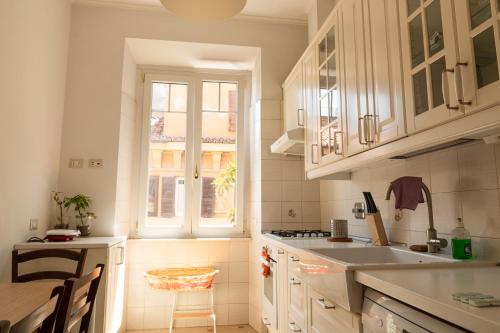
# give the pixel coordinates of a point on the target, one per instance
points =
(33, 224)
(96, 163)
(76, 163)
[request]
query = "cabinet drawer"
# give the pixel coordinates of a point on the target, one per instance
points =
(294, 325)
(297, 301)
(326, 316)
(293, 262)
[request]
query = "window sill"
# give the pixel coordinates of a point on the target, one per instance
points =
(188, 239)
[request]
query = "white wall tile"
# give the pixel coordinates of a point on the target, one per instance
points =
(271, 191)
(135, 318)
(271, 212)
(238, 314)
(481, 212)
(156, 317)
(292, 191)
(271, 129)
(310, 190)
(238, 293)
(238, 272)
(444, 171)
(292, 170)
(477, 167)
(271, 170)
(291, 212)
(238, 251)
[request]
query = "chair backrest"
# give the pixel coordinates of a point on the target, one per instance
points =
(18, 258)
(42, 319)
(78, 301)
(4, 326)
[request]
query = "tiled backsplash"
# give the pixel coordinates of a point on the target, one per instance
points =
(464, 181)
(150, 309)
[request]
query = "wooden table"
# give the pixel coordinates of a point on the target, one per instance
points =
(17, 300)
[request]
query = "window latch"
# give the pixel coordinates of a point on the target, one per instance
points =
(196, 172)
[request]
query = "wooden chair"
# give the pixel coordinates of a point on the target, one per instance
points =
(78, 301)
(42, 319)
(4, 326)
(17, 258)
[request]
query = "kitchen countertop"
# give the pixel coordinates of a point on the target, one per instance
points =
(431, 290)
(77, 243)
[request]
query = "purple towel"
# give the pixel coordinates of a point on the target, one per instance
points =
(408, 192)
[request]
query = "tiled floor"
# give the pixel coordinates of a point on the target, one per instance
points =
(220, 329)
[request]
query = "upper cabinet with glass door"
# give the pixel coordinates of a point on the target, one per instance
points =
(477, 70)
(330, 120)
(429, 56)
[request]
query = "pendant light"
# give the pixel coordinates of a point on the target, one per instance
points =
(204, 10)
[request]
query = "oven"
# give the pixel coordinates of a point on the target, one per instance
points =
(270, 290)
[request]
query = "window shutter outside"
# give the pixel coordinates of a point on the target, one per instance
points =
(168, 197)
(208, 197)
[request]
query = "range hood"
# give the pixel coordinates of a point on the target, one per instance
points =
(290, 143)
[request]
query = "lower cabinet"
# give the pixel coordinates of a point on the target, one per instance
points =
(294, 326)
(327, 317)
(297, 300)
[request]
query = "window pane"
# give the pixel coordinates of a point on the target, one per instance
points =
(178, 97)
(322, 51)
(228, 97)
(167, 168)
(332, 72)
(325, 142)
(323, 89)
(334, 108)
(324, 111)
(330, 40)
(218, 169)
(420, 92)
(486, 58)
(479, 11)
(416, 41)
(434, 28)
(412, 5)
(210, 96)
(160, 94)
(437, 69)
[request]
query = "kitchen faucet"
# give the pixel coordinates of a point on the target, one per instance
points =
(433, 242)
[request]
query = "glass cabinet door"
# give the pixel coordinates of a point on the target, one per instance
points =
(330, 117)
(428, 33)
(478, 36)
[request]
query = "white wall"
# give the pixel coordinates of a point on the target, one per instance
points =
(93, 99)
(464, 182)
(34, 44)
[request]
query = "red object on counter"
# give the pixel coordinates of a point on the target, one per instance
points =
(58, 238)
(266, 269)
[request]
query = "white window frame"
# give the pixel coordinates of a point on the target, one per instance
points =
(192, 214)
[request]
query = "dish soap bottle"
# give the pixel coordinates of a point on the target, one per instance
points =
(461, 243)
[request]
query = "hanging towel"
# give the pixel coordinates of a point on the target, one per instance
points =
(408, 192)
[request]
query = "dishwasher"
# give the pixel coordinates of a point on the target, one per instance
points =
(383, 314)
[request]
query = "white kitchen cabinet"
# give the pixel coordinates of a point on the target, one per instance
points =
(110, 251)
(311, 94)
(326, 316)
(293, 326)
(331, 120)
(479, 49)
(354, 90)
(386, 111)
(429, 56)
(293, 99)
(296, 300)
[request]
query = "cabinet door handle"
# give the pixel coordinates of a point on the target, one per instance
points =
(321, 301)
(281, 252)
(336, 143)
(294, 282)
(458, 83)
(314, 153)
(362, 131)
(294, 329)
(294, 259)
(370, 128)
(266, 322)
(122, 256)
(300, 117)
(445, 89)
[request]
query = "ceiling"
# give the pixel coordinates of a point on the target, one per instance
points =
(280, 10)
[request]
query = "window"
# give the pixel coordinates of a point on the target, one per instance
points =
(192, 156)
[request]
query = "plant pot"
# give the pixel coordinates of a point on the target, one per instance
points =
(84, 230)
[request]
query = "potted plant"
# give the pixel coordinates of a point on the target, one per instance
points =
(81, 205)
(223, 183)
(60, 203)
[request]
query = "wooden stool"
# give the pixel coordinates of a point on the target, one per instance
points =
(185, 280)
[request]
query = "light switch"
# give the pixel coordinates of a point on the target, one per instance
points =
(96, 163)
(33, 224)
(76, 163)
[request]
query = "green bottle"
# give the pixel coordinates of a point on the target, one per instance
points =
(461, 244)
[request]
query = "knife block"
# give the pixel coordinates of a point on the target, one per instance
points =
(377, 229)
